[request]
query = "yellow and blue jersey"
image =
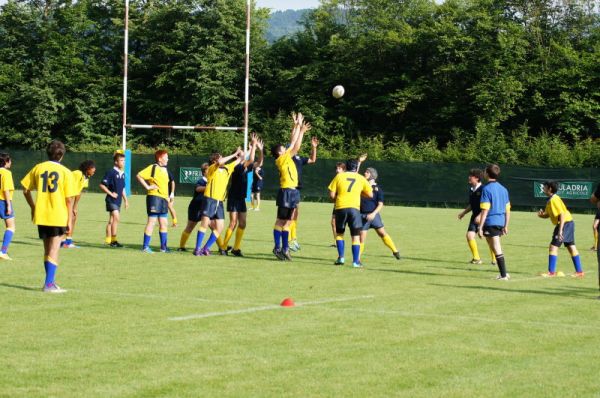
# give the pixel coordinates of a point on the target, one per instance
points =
(348, 187)
(54, 184)
(218, 178)
(159, 176)
(80, 181)
(6, 184)
(288, 174)
(555, 207)
(494, 198)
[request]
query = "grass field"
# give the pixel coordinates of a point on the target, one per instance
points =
(138, 325)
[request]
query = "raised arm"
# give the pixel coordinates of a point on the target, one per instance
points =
(225, 159)
(361, 160)
(261, 156)
(253, 141)
(314, 142)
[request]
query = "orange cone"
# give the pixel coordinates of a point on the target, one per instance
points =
(287, 302)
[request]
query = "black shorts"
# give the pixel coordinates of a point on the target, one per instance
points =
(597, 215)
(473, 226)
(568, 235)
(156, 206)
(45, 231)
(288, 197)
(284, 213)
(257, 187)
(195, 210)
(375, 223)
(350, 217)
(490, 231)
(212, 209)
(236, 205)
(110, 207)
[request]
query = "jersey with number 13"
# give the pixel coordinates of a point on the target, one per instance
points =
(54, 184)
(348, 187)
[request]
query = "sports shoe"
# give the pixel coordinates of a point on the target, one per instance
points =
(53, 288)
(148, 250)
(476, 261)
(277, 252)
(357, 265)
(257, 209)
(493, 263)
(182, 249)
(115, 244)
(237, 253)
(558, 274)
(339, 261)
(286, 255)
(4, 256)
(593, 249)
(223, 252)
(70, 246)
(397, 255)
(294, 245)
(205, 252)
(333, 245)
(198, 252)
(577, 275)
(165, 250)
(503, 278)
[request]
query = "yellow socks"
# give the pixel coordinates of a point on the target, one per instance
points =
(293, 230)
(474, 250)
(389, 243)
(239, 234)
(184, 238)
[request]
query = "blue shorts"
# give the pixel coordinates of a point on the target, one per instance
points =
(350, 217)
(195, 210)
(288, 198)
(3, 214)
(258, 187)
(110, 206)
(236, 206)
(212, 209)
(156, 206)
(375, 223)
(568, 235)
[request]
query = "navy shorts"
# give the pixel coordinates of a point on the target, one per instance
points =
(257, 187)
(110, 206)
(212, 209)
(195, 210)
(236, 206)
(489, 231)
(375, 223)
(288, 198)
(3, 214)
(350, 217)
(568, 235)
(473, 226)
(156, 206)
(597, 215)
(45, 231)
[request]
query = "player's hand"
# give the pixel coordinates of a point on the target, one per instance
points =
(540, 213)
(362, 157)
(305, 127)
(152, 187)
(114, 195)
(480, 232)
(126, 205)
(32, 212)
(460, 216)
(260, 144)
(8, 211)
(314, 141)
(75, 211)
(505, 231)
(370, 216)
(253, 138)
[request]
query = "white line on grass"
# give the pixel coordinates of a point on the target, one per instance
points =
(265, 308)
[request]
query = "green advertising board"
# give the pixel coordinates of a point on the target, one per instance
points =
(189, 175)
(567, 189)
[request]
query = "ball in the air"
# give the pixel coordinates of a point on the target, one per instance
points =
(338, 91)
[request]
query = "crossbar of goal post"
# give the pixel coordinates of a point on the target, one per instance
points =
(125, 126)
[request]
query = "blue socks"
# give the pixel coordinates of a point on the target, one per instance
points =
(211, 241)
(8, 235)
(50, 272)
(199, 239)
(146, 241)
(277, 233)
(552, 263)
(163, 240)
(340, 247)
(577, 263)
(285, 240)
(356, 253)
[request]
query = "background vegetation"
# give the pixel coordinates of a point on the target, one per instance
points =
(467, 80)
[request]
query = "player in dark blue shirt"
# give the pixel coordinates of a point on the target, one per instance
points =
(236, 200)
(257, 185)
(370, 209)
(300, 162)
(113, 184)
(194, 209)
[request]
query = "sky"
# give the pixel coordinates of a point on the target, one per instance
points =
(286, 4)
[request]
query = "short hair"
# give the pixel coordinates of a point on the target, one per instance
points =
(213, 157)
(159, 154)
(551, 185)
(492, 170)
(4, 159)
(477, 173)
(275, 150)
(204, 167)
(341, 165)
(55, 150)
(118, 155)
(373, 172)
(352, 165)
(86, 165)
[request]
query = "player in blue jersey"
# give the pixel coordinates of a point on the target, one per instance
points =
(7, 212)
(194, 209)
(495, 216)
(113, 184)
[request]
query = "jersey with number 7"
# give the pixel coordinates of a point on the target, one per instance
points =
(348, 186)
(54, 184)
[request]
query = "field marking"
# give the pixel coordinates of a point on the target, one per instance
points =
(265, 308)
(160, 297)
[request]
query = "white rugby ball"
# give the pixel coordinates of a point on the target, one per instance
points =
(338, 91)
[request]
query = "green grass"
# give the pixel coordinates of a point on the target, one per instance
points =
(428, 325)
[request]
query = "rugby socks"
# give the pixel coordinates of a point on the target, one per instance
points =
(227, 237)
(387, 240)
(577, 263)
(146, 241)
(552, 260)
(474, 250)
(239, 234)
(113, 238)
(108, 239)
(595, 239)
(362, 248)
(200, 238)
(293, 230)
(339, 243)
(493, 256)
(184, 238)
(163, 239)
(211, 241)
(50, 265)
(356, 253)
(69, 240)
(277, 232)
(8, 235)
(174, 220)
(285, 239)
(501, 265)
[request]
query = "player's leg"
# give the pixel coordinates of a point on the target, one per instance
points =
(185, 234)
(8, 236)
(204, 223)
(239, 234)
(595, 229)
(552, 259)
(218, 228)
(252, 200)
(115, 218)
(163, 226)
(294, 246)
(233, 222)
(333, 228)
(171, 207)
(576, 260)
(257, 207)
(363, 240)
(495, 246)
(387, 240)
(52, 237)
(148, 232)
(340, 228)
(475, 258)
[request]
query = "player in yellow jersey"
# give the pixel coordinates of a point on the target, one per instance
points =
(7, 212)
(81, 179)
(288, 195)
(218, 175)
(155, 180)
(345, 189)
(51, 210)
(564, 230)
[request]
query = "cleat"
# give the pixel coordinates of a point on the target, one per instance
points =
(593, 249)
(257, 209)
(357, 265)
(198, 252)
(4, 256)
(294, 246)
(493, 263)
(182, 249)
(286, 255)
(397, 255)
(165, 250)
(277, 252)
(205, 252)
(476, 261)
(577, 275)
(237, 253)
(339, 261)
(115, 244)
(53, 288)
(333, 245)
(147, 250)
(223, 252)
(69, 246)
(503, 278)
